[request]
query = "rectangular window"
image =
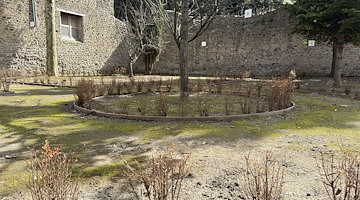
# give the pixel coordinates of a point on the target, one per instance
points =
(71, 28)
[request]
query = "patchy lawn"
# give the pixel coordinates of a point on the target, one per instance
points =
(37, 113)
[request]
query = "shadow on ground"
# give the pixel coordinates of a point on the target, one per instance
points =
(36, 113)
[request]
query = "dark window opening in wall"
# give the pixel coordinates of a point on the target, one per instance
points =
(71, 27)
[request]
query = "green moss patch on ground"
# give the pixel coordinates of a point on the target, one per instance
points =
(37, 113)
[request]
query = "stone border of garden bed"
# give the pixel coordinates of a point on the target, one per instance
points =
(6, 93)
(45, 85)
(175, 118)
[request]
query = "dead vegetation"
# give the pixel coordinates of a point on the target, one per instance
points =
(51, 175)
(219, 97)
(264, 178)
(341, 175)
(160, 179)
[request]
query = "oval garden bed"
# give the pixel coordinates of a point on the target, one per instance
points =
(232, 102)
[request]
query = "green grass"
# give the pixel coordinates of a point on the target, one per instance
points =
(37, 113)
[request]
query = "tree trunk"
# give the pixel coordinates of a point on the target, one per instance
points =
(147, 64)
(331, 75)
(337, 58)
(149, 61)
(131, 64)
(183, 51)
(51, 53)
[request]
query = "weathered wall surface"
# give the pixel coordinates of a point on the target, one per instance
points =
(23, 48)
(261, 44)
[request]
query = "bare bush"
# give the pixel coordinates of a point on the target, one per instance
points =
(124, 107)
(169, 85)
(160, 179)
(85, 91)
(209, 85)
(278, 95)
(161, 105)
(341, 179)
(259, 88)
(102, 89)
(228, 104)
(246, 103)
(118, 88)
(150, 85)
(143, 104)
(159, 84)
(51, 175)
(112, 87)
(4, 79)
(129, 87)
(139, 85)
(48, 80)
(219, 85)
(199, 86)
(264, 179)
(203, 105)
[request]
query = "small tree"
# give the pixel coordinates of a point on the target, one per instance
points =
(333, 21)
(144, 30)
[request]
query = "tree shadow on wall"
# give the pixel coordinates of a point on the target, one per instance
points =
(118, 61)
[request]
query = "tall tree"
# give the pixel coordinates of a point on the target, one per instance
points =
(186, 21)
(51, 53)
(334, 21)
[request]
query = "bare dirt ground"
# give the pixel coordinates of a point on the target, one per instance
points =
(217, 165)
(217, 168)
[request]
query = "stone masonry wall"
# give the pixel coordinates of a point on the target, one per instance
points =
(23, 48)
(261, 44)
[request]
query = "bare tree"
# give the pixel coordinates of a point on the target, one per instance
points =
(187, 20)
(144, 31)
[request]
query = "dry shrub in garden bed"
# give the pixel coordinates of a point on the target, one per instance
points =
(85, 91)
(6, 77)
(161, 177)
(278, 96)
(217, 97)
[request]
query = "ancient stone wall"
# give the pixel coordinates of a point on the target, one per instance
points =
(261, 44)
(23, 47)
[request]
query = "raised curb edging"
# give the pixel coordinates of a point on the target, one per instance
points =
(6, 93)
(174, 118)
